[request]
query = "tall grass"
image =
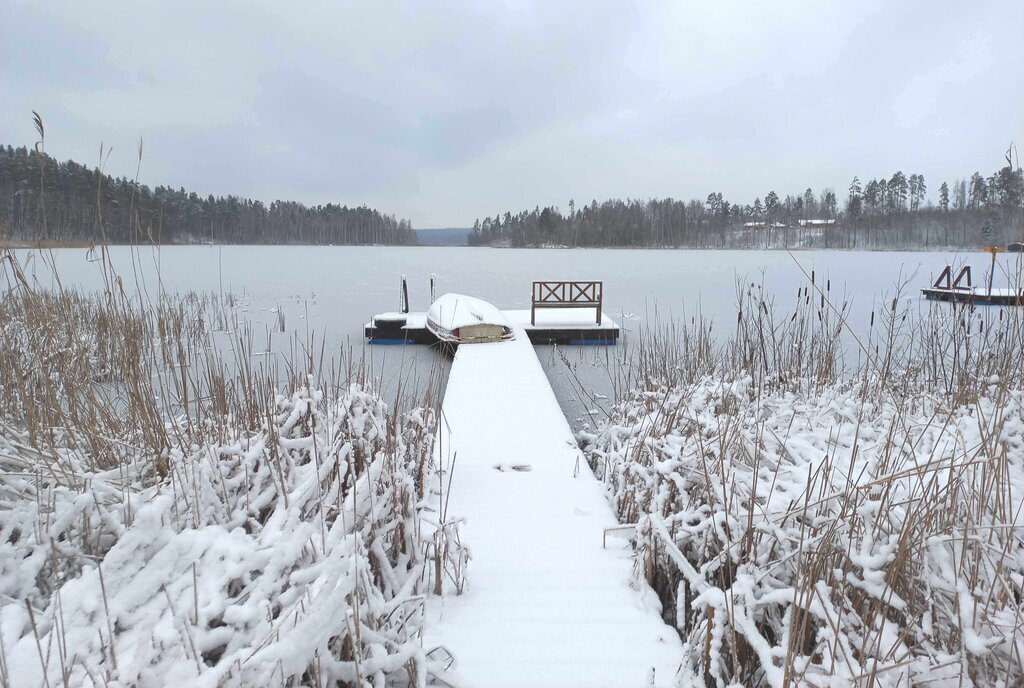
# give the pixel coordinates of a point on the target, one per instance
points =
(814, 514)
(297, 504)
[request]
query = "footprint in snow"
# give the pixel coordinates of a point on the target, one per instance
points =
(520, 467)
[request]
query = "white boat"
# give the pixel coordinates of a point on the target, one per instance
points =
(460, 319)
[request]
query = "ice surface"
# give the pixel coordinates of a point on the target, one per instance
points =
(334, 290)
(339, 288)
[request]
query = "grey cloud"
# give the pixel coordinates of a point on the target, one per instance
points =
(39, 49)
(443, 112)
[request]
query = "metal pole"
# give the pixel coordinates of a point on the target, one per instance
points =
(991, 272)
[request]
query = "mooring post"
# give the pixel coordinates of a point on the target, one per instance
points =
(405, 296)
(992, 268)
(433, 282)
(991, 272)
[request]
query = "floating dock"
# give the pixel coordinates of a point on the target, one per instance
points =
(961, 289)
(552, 326)
(978, 295)
(546, 603)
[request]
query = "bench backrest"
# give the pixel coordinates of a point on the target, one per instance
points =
(567, 294)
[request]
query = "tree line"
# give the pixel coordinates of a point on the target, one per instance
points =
(42, 199)
(889, 212)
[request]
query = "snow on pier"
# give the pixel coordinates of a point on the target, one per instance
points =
(545, 603)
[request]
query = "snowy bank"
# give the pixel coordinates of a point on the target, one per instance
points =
(291, 555)
(826, 537)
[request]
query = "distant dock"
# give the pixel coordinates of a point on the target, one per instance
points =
(961, 289)
(976, 295)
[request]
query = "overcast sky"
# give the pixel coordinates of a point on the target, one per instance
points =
(442, 112)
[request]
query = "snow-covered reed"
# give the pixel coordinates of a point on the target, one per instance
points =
(817, 519)
(206, 523)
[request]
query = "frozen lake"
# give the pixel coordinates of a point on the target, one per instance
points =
(332, 291)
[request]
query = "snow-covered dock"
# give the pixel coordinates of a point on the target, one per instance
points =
(553, 326)
(545, 604)
(980, 295)
(961, 289)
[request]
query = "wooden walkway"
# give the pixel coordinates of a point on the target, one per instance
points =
(545, 603)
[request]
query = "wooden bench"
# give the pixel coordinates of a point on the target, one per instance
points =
(566, 295)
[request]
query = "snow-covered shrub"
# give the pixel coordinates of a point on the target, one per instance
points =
(178, 521)
(805, 527)
(824, 540)
(291, 555)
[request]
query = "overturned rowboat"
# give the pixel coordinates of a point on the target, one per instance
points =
(460, 319)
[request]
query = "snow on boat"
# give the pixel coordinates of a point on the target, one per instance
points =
(460, 319)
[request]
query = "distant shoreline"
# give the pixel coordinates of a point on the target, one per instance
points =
(58, 244)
